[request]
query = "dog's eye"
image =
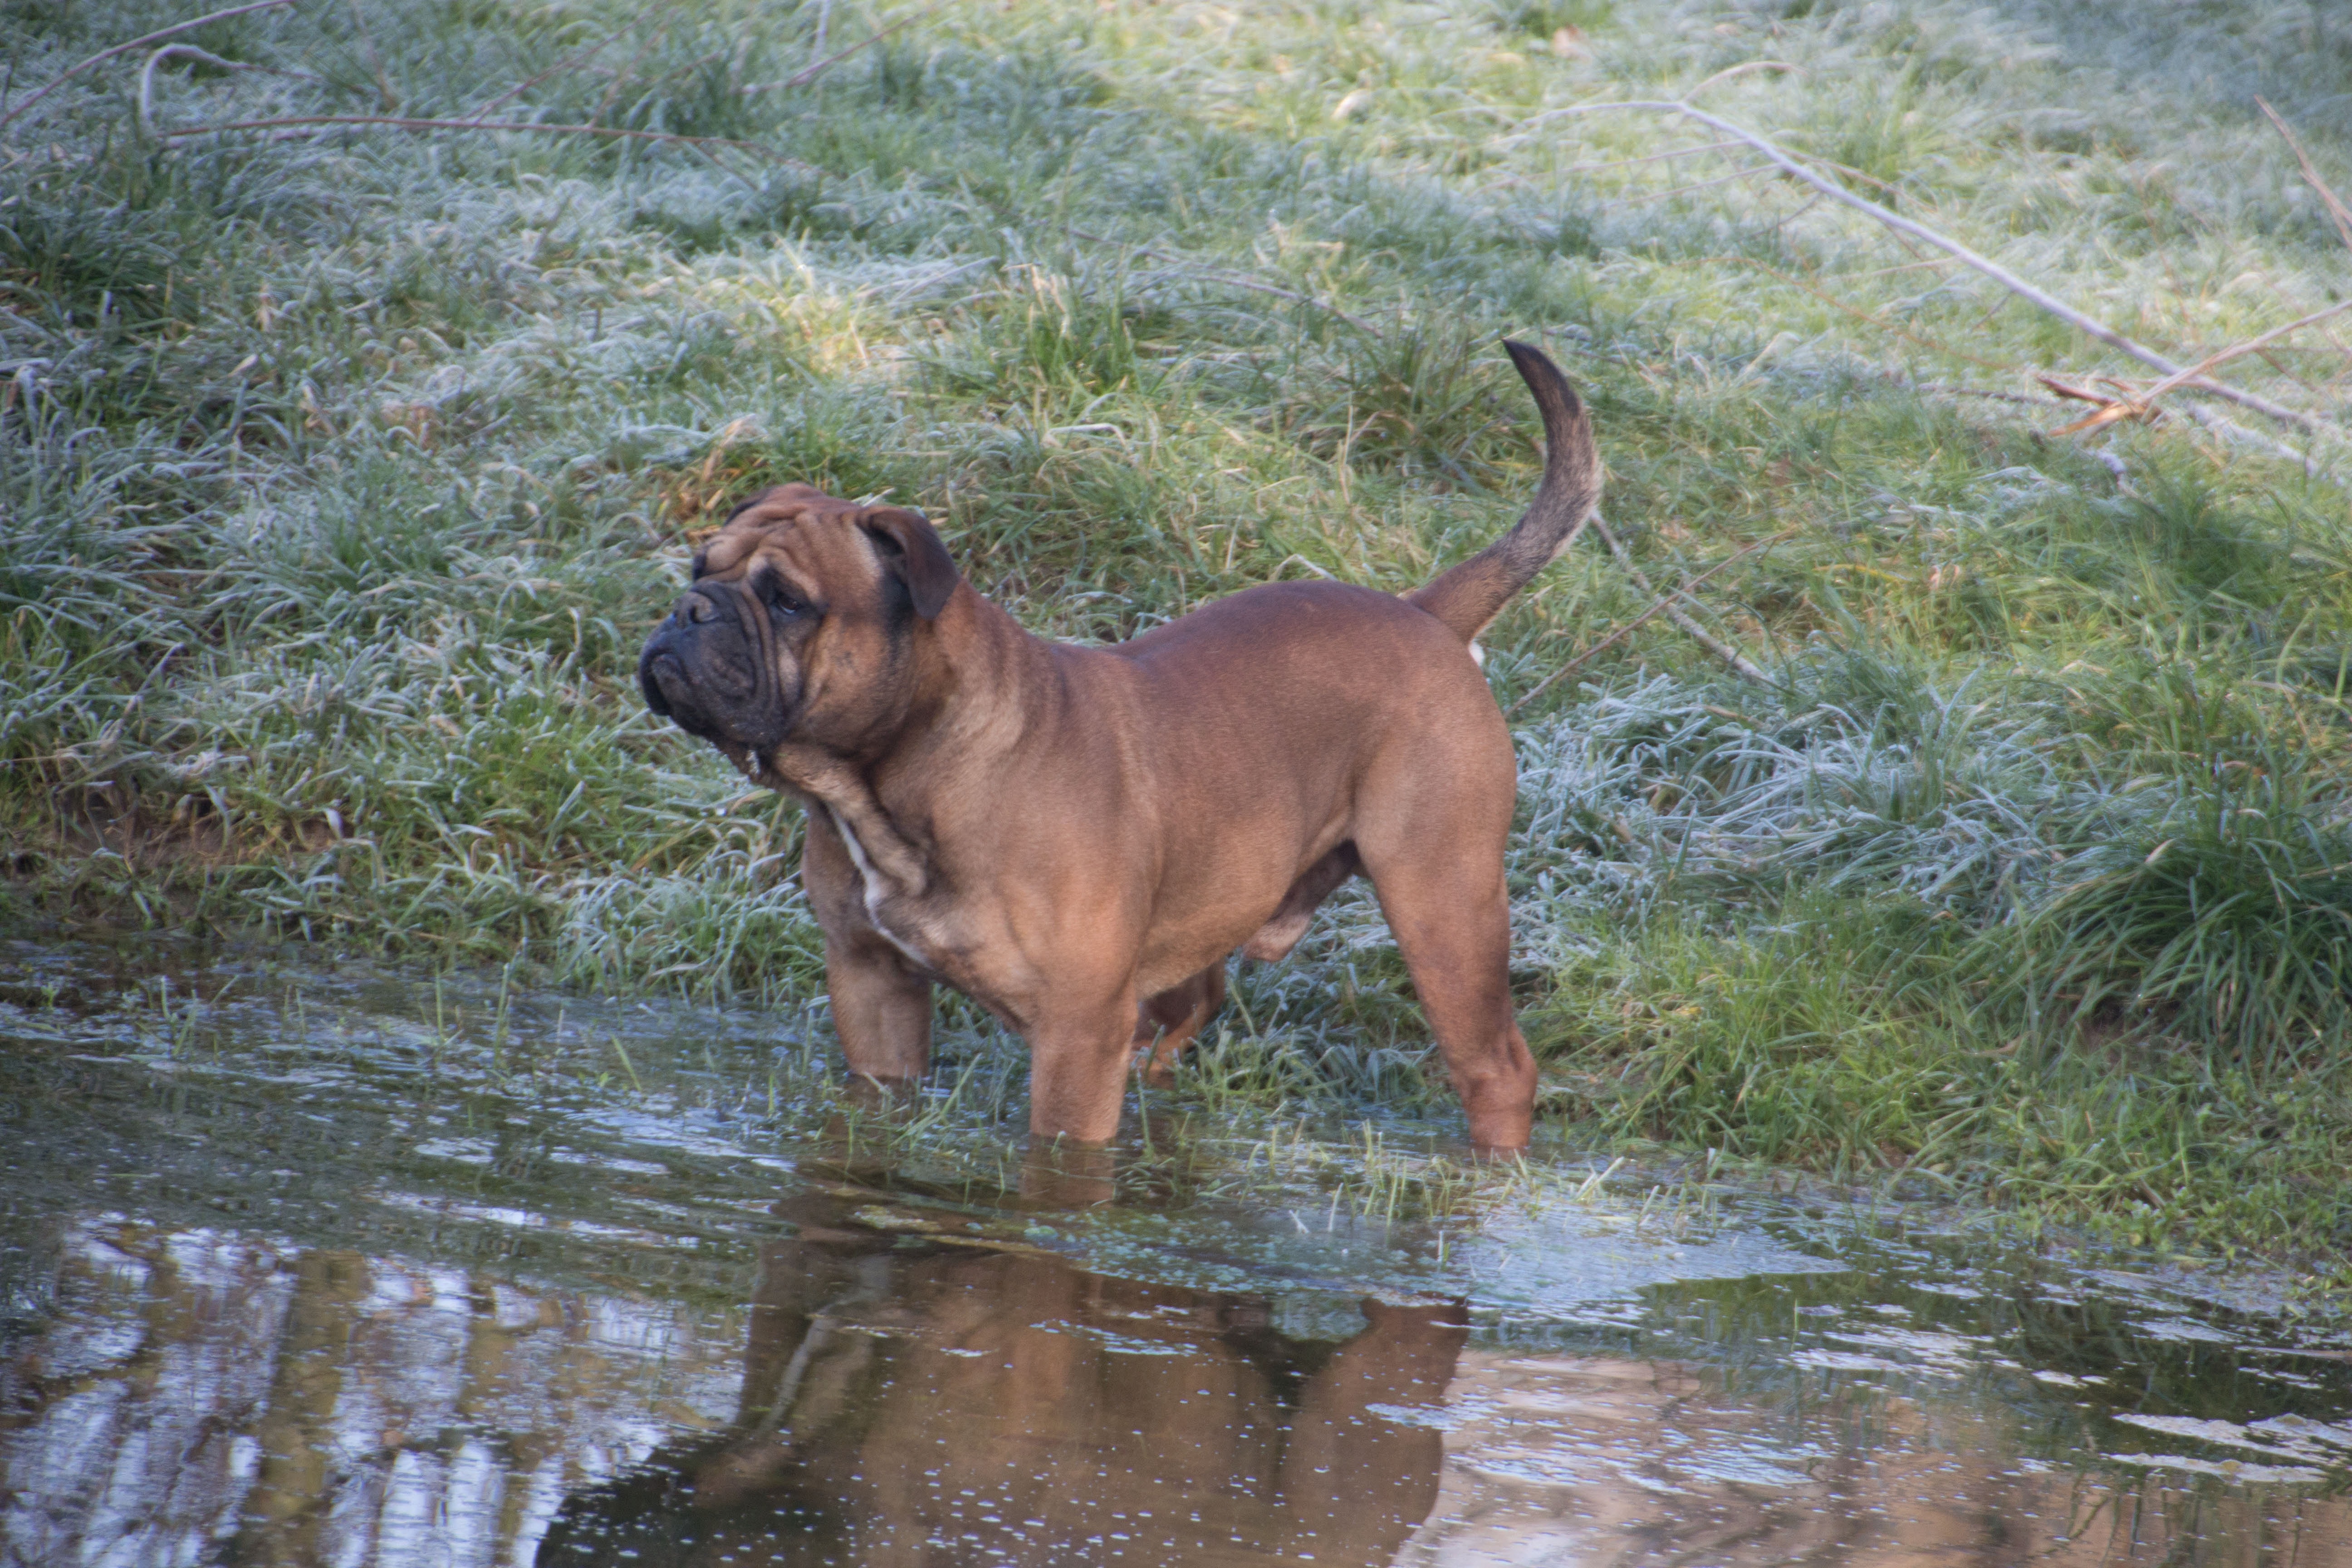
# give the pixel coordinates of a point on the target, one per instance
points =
(784, 602)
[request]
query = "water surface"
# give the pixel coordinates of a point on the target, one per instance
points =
(303, 1263)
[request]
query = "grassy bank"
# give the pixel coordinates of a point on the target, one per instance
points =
(344, 469)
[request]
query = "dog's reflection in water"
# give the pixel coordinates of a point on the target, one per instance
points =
(908, 1400)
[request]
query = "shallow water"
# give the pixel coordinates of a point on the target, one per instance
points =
(312, 1264)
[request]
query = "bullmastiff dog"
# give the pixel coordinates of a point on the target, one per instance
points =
(1079, 838)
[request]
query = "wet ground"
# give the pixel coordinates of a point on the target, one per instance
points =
(314, 1264)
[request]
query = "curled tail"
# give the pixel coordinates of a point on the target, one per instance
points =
(1468, 596)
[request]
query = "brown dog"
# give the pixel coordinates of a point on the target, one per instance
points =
(1079, 838)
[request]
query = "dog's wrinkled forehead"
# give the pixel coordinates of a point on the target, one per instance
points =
(769, 519)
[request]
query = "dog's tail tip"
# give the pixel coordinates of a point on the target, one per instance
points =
(1544, 378)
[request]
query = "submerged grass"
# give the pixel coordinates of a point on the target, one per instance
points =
(344, 469)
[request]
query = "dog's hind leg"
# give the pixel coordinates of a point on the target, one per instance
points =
(1446, 905)
(1168, 1022)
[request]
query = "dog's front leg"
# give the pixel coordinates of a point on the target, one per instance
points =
(881, 1004)
(881, 1008)
(1079, 1054)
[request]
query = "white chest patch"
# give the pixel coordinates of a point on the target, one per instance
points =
(876, 888)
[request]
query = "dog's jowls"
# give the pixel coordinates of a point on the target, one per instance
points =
(1079, 838)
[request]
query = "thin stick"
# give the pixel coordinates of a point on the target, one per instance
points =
(2226, 428)
(1664, 606)
(1722, 650)
(375, 62)
(816, 69)
(328, 121)
(2088, 325)
(2249, 346)
(581, 58)
(2142, 405)
(202, 56)
(1235, 281)
(2336, 208)
(174, 30)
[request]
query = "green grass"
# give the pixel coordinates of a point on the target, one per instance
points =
(343, 474)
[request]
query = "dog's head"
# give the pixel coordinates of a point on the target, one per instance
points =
(800, 623)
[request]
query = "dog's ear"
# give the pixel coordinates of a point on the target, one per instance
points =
(911, 547)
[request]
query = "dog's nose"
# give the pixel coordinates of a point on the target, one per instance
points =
(693, 609)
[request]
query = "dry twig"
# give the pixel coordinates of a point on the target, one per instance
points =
(816, 69)
(1664, 606)
(202, 56)
(2336, 208)
(2140, 406)
(389, 99)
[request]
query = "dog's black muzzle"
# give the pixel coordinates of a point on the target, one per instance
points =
(702, 668)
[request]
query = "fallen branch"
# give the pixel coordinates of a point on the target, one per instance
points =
(1234, 280)
(2140, 404)
(2226, 428)
(2088, 325)
(2230, 430)
(157, 36)
(1664, 604)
